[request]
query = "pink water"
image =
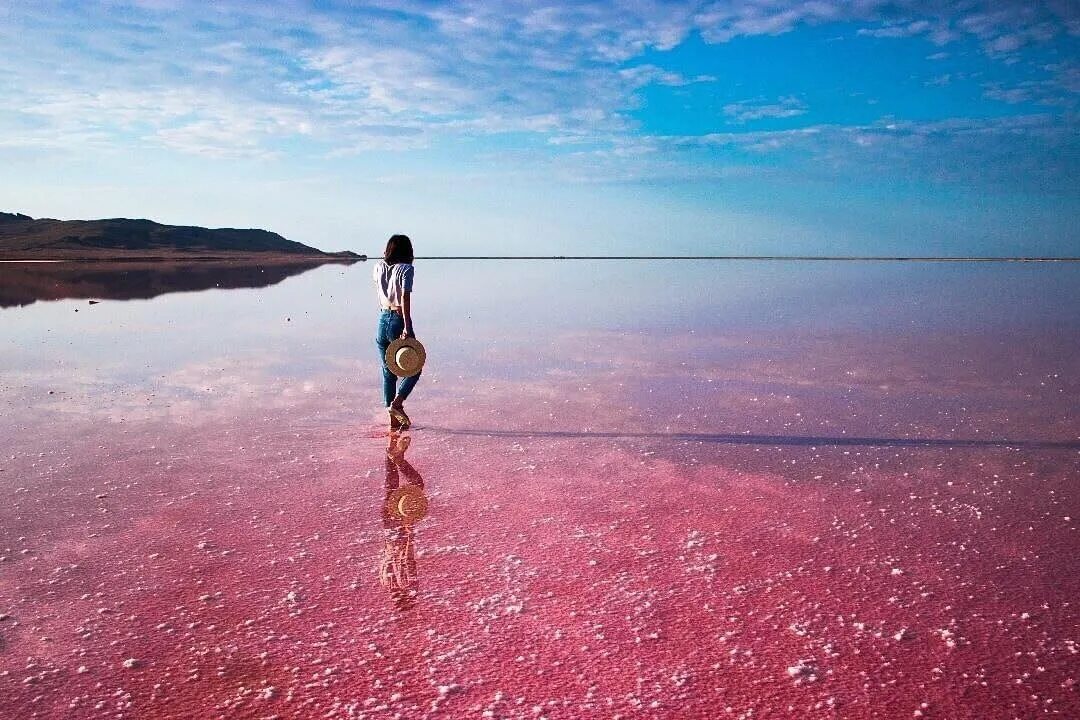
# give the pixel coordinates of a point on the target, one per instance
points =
(819, 493)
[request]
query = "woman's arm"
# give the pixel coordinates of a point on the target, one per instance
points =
(406, 313)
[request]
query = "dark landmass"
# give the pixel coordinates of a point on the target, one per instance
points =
(26, 283)
(120, 239)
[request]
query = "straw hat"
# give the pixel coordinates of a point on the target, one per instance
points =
(407, 504)
(405, 357)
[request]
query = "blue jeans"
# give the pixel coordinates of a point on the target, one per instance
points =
(390, 327)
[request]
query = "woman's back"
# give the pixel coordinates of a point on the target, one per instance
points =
(392, 282)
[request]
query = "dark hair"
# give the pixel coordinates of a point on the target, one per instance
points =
(398, 250)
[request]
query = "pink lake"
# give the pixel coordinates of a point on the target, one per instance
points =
(660, 489)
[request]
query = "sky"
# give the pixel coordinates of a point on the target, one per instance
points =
(759, 127)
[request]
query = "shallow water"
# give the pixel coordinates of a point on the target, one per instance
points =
(664, 489)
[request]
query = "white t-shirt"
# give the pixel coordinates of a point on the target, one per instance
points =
(392, 282)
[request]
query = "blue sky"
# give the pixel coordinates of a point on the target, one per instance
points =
(817, 126)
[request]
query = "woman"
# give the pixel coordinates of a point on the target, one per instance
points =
(393, 281)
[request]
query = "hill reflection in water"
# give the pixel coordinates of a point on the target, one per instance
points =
(26, 283)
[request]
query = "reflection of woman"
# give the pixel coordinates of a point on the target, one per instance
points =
(393, 281)
(405, 504)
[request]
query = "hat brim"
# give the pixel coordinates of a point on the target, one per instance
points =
(391, 356)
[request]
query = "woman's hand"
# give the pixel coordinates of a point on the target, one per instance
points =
(406, 315)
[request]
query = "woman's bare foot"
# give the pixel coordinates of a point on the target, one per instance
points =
(397, 410)
(395, 424)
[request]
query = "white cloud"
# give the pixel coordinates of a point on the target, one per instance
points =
(1061, 88)
(918, 27)
(759, 109)
(238, 79)
(184, 118)
(1030, 151)
(642, 75)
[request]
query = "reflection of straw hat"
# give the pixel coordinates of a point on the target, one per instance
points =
(407, 504)
(405, 357)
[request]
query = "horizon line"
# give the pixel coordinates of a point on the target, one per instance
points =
(845, 258)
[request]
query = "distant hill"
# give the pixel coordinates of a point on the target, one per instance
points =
(24, 238)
